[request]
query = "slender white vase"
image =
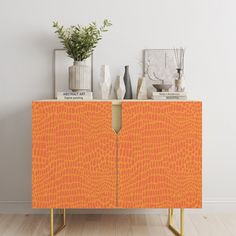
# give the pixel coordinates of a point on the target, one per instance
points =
(105, 83)
(120, 87)
(142, 89)
(79, 74)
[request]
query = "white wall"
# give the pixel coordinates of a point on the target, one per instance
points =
(207, 28)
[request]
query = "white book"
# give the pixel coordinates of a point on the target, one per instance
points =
(169, 94)
(169, 97)
(75, 98)
(78, 93)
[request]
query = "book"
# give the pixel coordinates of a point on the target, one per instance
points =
(169, 97)
(169, 94)
(74, 98)
(80, 95)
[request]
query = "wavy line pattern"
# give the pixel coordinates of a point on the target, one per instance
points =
(73, 163)
(74, 155)
(160, 155)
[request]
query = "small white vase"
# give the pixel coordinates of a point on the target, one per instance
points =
(179, 84)
(105, 83)
(142, 89)
(79, 75)
(183, 84)
(179, 81)
(120, 87)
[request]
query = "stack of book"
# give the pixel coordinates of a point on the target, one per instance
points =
(169, 96)
(80, 95)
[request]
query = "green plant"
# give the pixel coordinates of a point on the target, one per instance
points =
(80, 41)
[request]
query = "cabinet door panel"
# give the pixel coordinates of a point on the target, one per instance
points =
(159, 155)
(73, 151)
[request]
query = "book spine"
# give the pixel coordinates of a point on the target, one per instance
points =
(79, 93)
(169, 94)
(169, 97)
(75, 98)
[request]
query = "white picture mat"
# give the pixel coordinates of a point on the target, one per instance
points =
(61, 75)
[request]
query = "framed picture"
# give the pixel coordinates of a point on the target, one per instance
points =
(159, 65)
(61, 75)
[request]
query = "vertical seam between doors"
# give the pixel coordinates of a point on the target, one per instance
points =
(117, 171)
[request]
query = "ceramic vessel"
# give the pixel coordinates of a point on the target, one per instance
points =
(120, 88)
(179, 82)
(105, 83)
(79, 74)
(178, 86)
(162, 87)
(142, 89)
(127, 81)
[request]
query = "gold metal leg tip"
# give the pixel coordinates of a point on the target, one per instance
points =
(171, 220)
(61, 227)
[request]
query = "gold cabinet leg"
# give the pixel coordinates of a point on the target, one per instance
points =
(52, 223)
(64, 216)
(62, 226)
(171, 220)
(170, 216)
(182, 222)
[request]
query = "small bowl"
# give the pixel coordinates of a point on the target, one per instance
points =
(162, 87)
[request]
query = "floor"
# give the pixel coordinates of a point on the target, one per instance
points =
(118, 225)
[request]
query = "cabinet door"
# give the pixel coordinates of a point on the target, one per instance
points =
(74, 155)
(159, 155)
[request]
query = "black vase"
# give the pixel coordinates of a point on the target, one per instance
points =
(127, 81)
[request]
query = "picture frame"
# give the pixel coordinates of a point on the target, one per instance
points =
(61, 63)
(159, 63)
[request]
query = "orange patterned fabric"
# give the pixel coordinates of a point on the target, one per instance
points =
(74, 161)
(159, 155)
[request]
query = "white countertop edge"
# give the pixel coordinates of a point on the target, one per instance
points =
(116, 101)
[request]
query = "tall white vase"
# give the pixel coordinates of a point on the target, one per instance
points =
(79, 74)
(120, 87)
(142, 89)
(105, 83)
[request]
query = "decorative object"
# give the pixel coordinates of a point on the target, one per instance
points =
(105, 84)
(61, 63)
(162, 87)
(76, 146)
(159, 65)
(179, 82)
(79, 43)
(79, 73)
(128, 86)
(120, 87)
(179, 59)
(142, 88)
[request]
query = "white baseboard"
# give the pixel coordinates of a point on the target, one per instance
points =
(209, 206)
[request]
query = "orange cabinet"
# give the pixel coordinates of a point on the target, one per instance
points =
(78, 161)
(74, 161)
(159, 155)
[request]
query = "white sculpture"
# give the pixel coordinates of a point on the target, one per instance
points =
(120, 87)
(105, 84)
(142, 89)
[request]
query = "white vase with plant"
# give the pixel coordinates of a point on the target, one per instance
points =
(79, 43)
